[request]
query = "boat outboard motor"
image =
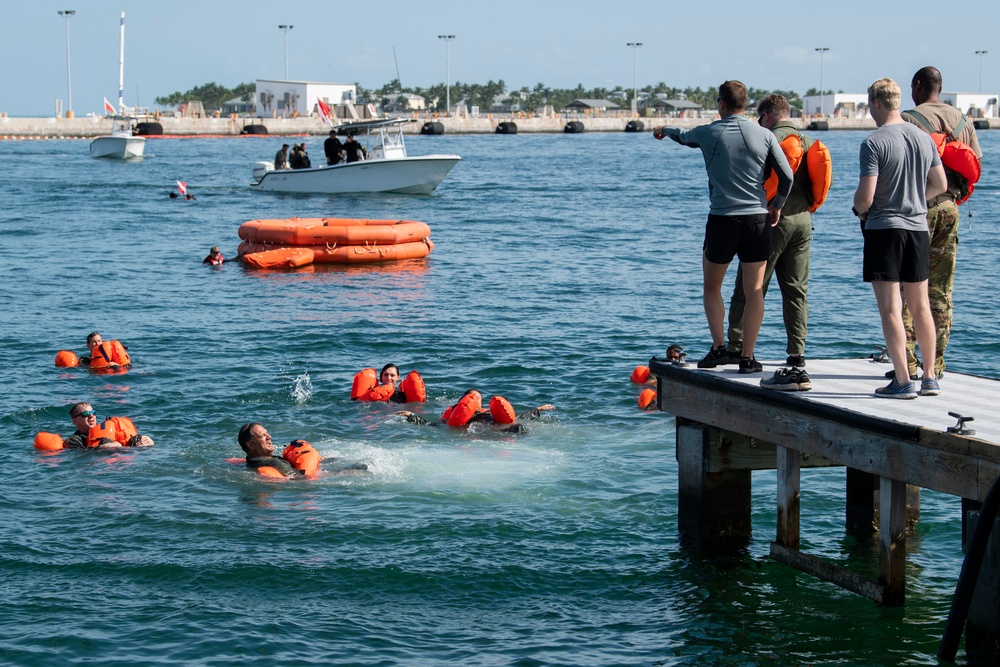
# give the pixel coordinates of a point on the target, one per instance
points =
(261, 168)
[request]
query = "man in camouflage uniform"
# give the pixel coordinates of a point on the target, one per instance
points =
(790, 249)
(942, 212)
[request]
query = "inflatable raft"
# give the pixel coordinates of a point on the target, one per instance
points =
(289, 243)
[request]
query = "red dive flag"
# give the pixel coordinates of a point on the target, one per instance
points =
(324, 112)
(107, 106)
(182, 187)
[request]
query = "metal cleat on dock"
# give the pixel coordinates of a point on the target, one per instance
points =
(882, 357)
(959, 428)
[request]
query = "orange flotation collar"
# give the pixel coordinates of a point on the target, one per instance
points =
(107, 353)
(956, 156)
(113, 430)
(467, 407)
(819, 168)
(303, 457)
(640, 374)
(48, 442)
(67, 359)
(647, 398)
(502, 411)
(413, 388)
(364, 381)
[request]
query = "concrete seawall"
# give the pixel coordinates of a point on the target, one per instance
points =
(82, 128)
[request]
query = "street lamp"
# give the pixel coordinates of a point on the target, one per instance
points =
(285, 29)
(822, 52)
(447, 65)
(69, 81)
(635, 79)
(981, 54)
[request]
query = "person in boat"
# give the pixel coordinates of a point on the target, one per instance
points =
(355, 151)
(281, 157)
(469, 410)
(333, 149)
(304, 161)
(295, 157)
(96, 342)
(298, 459)
(85, 419)
(739, 217)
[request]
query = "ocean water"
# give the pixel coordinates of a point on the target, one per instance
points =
(561, 262)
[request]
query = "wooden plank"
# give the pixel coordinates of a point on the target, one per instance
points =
(926, 466)
(892, 540)
(788, 497)
(818, 567)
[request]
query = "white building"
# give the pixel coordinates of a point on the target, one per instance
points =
(284, 99)
(836, 105)
(975, 105)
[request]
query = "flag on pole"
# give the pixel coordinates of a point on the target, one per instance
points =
(324, 112)
(107, 106)
(182, 188)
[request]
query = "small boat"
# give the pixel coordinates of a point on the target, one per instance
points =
(121, 144)
(387, 168)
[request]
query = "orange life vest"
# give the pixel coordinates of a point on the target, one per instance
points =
(413, 388)
(48, 442)
(819, 168)
(956, 156)
(364, 381)
(268, 471)
(113, 430)
(502, 411)
(107, 353)
(302, 456)
(466, 408)
(67, 359)
(640, 374)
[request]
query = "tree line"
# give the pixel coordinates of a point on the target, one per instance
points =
(212, 95)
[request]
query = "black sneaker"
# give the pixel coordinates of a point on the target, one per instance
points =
(787, 379)
(748, 366)
(892, 375)
(715, 357)
(796, 361)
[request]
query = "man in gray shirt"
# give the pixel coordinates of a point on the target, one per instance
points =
(900, 171)
(736, 154)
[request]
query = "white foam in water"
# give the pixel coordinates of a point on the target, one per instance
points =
(302, 388)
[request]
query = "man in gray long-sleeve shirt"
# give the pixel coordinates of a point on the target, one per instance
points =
(737, 154)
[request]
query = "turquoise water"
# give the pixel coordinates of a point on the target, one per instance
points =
(561, 263)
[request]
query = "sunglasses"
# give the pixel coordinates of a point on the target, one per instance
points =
(85, 413)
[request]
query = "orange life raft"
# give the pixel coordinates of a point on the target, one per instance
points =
(338, 240)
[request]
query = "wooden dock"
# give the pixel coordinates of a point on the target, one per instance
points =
(727, 426)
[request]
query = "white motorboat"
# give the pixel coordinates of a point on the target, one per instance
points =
(387, 168)
(120, 144)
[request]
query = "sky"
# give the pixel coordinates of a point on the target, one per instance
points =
(180, 44)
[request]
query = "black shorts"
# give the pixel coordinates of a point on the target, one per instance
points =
(746, 236)
(896, 256)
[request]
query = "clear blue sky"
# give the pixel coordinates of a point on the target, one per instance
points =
(179, 44)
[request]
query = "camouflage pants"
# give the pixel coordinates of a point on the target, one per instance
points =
(942, 220)
(790, 260)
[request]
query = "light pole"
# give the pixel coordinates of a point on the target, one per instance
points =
(635, 78)
(822, 52)
(447, 66)
(69, 81)
(981, 54)
(285, 29)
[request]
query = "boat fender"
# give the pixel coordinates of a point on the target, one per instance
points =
(502, 411)
(647, 398)
(108, 353)
(67, 359)
(364, 381)
(413, 388)
(640, 374)
(48, 442)
(303, 457)
(466, 408)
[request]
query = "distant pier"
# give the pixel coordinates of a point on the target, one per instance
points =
(728, 426)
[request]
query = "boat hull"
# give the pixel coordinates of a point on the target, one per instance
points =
(118, 148)
(409, 175)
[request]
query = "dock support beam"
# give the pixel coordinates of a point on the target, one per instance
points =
(712, 507)
(982, 629)
(892, 541)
